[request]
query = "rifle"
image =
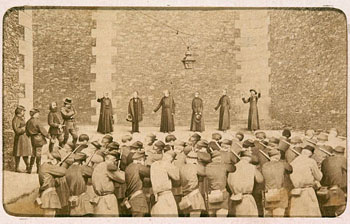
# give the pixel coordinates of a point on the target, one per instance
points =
(69, 154)
(234, 153)
(97, 146)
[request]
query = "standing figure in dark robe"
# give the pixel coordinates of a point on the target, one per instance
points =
(21, 146)
(253, 117)
(135, 111)
(197, 121)
(106, 121)
(168, 111)
(225, 106)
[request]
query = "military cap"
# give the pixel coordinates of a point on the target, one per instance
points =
(296, 140)
(79, 156)
(246, 153)
(214, 146)
(152, 136)
(160, 145)
(260, 135)
(83, 137)
(216, 136)
(286, 133)
(310, 148)
(96, 144)
(204, 157)
(202, 144)
(339, 149)
(33, 111)
(113, 146)
(67, 100)
(274, 140)
(196, 136)
(187, 149)
(21, 107)
(137, 145)
(138, 155)
(322, 137)
(273, 152)
(248, 143)
(170, 138)
(226, 142)
(179, 143)
(126, 138)
(109, 137)
(114, 153)
(310, 132)
(240, 134)
(167, 148)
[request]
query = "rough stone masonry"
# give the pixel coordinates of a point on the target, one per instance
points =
(297, 58)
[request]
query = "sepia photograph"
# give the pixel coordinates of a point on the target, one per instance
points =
(174, 112)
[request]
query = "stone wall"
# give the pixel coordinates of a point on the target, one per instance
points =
(309, 68)
(12, 62)
(62, 59)
(148, 59)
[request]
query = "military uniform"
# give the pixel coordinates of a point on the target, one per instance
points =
(334, 171)
(54, 119)
(189, 182)
(162, 172)
(47, 191)
(68, 115)
(216, 173)
(274, 175)
(304, 201)
(37, 134)
(103, 178)
(134, 174)
(241, 183)
(77, 176)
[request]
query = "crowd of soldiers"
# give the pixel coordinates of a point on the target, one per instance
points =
(239, 176)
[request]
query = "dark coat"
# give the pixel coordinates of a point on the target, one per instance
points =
(36, 132)
(54, 119)
(197, 108)
(21, 145)
(225, 106)
(167, 123)
(105, 122)
(136, 112)
(253, 116)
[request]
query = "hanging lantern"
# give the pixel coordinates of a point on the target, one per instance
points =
(188, 60)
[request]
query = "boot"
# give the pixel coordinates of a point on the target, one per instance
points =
(25, 159)
(32, 160)
(17, 159)
(38, 163)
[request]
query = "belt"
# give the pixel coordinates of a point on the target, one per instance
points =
(48, 190)
(104, 193)
(136, 193)
(196, 191)
(164, 192)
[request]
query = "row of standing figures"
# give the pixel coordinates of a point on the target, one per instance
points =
(167, 103)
